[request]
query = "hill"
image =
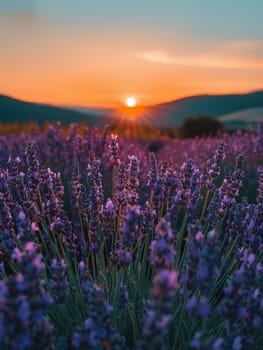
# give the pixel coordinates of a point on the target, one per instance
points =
(175, 112)
(13, 110)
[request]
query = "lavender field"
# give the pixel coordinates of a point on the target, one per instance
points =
(119, 243)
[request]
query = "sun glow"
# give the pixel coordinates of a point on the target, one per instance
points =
(130, 102)
(132, 118)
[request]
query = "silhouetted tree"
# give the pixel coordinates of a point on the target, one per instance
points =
(200, 126)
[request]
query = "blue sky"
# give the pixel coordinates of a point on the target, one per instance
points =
(211, 18)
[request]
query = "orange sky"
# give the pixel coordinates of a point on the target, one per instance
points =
(42, 62)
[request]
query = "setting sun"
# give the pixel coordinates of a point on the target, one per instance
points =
(130, 102)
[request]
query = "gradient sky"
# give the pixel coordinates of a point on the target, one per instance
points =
(95, 53)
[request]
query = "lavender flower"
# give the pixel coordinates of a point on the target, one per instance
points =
(156, 322)
(108, 216)
(120, 182)
(62, 226)
(204, 275)
(214, 164)
(58, 282)
(161, 250)
(153, 174)
(114, 147)
(58, 188)
(195, 244)
(129, 228)
(121, 256)
(229, 190)
(33, 168)
(133, 180)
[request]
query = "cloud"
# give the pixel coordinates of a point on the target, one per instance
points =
(157, 56)
(210, 60)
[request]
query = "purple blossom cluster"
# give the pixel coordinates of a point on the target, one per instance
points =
(23, 304)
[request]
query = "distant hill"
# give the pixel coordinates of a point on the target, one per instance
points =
(13, 110)
(175, 112)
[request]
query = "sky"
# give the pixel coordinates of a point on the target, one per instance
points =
(96, 53)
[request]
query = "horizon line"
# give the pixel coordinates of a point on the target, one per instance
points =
(68, 106)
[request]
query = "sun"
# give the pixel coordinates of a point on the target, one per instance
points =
(130, 102)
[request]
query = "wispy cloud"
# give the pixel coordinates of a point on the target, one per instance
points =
(157, 56)
(210, 60)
